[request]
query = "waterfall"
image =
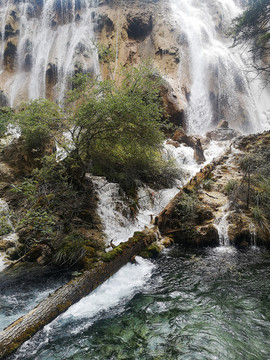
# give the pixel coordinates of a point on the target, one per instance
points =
(121, 218)
(43, 45)
(222, 227)
(253, 236)
(9, 237)
(219, 86)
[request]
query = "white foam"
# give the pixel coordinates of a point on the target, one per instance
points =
(2, 263)
(118, 288)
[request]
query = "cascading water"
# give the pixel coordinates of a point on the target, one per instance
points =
(121, 218)
(222, 228)
(183, 303)
(9, 236)
(219, 85)
(44, 44)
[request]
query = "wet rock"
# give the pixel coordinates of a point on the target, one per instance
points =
(191, 141)
(223, 124)
(6, 244)
(207, 236)
(12, 24)
(198, 152)
(172, 106)
(3, 99)
(12, 253)
(222, 134)
(51, 79)
(174, 143)
(28, 62)
(181, 137)
(10, 54)
(103, 21)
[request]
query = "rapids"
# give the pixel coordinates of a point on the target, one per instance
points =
(186, 305)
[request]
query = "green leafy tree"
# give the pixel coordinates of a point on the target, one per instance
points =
(111, 128)
(253, 28)
(116, 129)
(38, 120)
(5, 118)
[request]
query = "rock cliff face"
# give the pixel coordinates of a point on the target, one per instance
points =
(138, 31)
(226, 203)
(43, 43)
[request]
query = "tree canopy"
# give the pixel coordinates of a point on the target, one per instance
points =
(253, 28)
(112, 128)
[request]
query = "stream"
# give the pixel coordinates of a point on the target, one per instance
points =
(210, 304)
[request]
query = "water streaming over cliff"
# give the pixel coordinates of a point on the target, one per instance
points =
(195, 305)
(43, 44)
(219, 86)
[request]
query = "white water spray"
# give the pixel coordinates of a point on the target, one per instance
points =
(219, 85)
(54, 41)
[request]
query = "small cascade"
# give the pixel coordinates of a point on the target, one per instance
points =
(121, 217)
(253, 236)
(9, 236)
(222, 228)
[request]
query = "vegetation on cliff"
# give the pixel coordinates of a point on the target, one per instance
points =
(252, 27)
(252, 193)
(104, 128)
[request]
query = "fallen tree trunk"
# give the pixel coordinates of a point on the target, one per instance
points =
(58, 302)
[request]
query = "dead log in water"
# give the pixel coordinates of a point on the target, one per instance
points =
(59, 301)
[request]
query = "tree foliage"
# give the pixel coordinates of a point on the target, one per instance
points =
(38, 119)
(111, 128)
(253, 28)
(5, 118)
(116, 128)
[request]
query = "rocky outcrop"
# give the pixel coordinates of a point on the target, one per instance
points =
(11, 37)
(137, 34)
(194, 142)
(222, 132)
(218, 194)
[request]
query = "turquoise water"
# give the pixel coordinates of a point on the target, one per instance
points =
(200, 305)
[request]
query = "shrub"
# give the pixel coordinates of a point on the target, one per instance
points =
(37, 120)
(231, 186)
(5, 118)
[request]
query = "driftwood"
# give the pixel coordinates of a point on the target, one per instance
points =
(59, 301)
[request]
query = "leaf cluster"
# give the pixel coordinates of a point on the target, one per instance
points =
(253, 28)
(38, 120)
(117, 128)
(6, 115)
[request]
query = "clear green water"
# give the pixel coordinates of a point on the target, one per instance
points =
(204, 305)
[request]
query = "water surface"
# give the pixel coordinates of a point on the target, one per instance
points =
(198, 305)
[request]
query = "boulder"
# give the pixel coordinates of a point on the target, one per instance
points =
(172, 106)
(194, 142)
(223, 124)
(174, 143)
(207, 236)
(198, 152)
(222, 134)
